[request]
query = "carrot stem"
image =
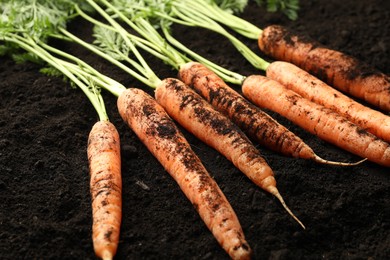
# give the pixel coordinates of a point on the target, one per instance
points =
(199, 19)
(222, 72)
(32, 46)
(185, 13)
(213, 11)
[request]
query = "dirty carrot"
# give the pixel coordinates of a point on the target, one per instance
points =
(196, 115)
(316, 119)
(105, 187)
(28, 31)
(316, 90)
(161, 136)
(254, 121)
(339, 70)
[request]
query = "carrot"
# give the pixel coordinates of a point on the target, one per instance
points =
(339, 70)
(316, 90)
(164, 140)
(103, 143)
(256, 123)
(316, 119)
(106, 188)
(213, 128)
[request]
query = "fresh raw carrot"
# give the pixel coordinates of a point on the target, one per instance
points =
(251, 119)
(316, 119)
(103, 144)
(106, 188)
(339, 70)
(316, 90)
(161, 136)
(196, 115)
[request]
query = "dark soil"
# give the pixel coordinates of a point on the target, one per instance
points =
(45, 208)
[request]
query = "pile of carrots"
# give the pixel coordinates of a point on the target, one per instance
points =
(366, 138)
(222, 118)
(150, 121)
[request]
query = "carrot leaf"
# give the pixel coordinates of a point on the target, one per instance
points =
(234, 6)
(288, 7)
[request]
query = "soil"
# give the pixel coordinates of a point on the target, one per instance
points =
(45, 208)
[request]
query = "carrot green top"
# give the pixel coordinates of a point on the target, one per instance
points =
(27, 25)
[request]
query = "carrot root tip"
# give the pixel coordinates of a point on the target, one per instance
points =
(321, 160)
(107, 255)
(276, 193)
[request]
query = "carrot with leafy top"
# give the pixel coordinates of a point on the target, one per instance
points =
(341, 71)
(103, 145)
(317, 119)
(161, 136)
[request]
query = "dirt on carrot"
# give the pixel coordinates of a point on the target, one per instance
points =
(339, 70)
(317, 119)
(257, 124)
(106, 188)
(198, 116)
(319, 92)
(161, 136)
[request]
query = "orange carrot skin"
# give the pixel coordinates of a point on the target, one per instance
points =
(251, 119)
(197, 116)
(333, 67)
(105, 187)
(316, 119)
(164, 140)
(319, 92)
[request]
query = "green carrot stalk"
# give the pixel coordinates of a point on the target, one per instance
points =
(187, 13)
(27, 25)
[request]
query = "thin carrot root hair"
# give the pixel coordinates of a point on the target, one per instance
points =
(269, 184)
(323, 161)
(274, 191)
(105, 187)
(196, 115)
(257, 124)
